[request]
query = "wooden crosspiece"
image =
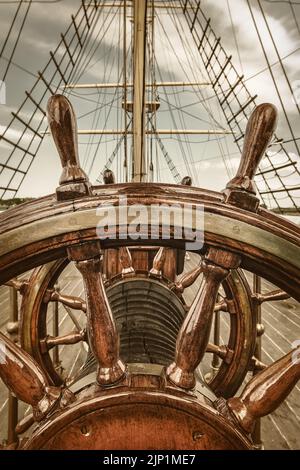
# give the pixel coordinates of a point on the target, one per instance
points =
(221, 256)
(51, 342)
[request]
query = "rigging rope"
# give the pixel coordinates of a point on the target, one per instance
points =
(277, 53)
(198, 90)
(234, 36)
(17, 39)
(272, 75)
(21, 162)
(108, 113)
(11, 28)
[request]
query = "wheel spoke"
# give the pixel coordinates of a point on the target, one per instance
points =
(102, 330)
(221, 306)
(194, 334)
(266, 391)
(158, 263)
(223, 352)
(23, 376)
(76, 303)
(187, 279)
(72, 338)
(272, 296)
(17, 284)
(126, 262)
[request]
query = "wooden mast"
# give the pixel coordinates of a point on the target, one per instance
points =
(139, 51)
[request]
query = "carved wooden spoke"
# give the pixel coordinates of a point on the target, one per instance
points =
(187, 181)
(108, 177)
(19, 285)
(272, 296)
(194, 334)
(241, 190)
(223, 352)
(187, 279)
(62, 122)
(76, 303)
(102, 332)
(23, 376)
(72, 338)
(126, 262)
(158, 263)
(266, 391)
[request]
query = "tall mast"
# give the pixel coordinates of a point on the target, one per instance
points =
(139, 73)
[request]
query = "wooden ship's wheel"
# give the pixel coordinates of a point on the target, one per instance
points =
(148, 310)
(146, 344)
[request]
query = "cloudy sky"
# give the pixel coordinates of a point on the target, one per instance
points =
(211, 163)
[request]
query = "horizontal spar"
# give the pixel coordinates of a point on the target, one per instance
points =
(158, 132)
(165, 5)
(130, 85)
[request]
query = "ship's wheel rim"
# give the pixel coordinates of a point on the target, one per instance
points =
(125, 397)
(268, 245)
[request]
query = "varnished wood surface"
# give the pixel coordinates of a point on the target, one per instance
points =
(281, 430)
(70, 283)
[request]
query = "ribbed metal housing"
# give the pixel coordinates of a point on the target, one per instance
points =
(148, 317)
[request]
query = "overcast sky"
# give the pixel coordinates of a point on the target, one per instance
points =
(208, 162)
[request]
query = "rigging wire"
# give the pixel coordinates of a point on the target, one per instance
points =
(272, 74)
(107, 114)
(182, 109)
(277, 52)
(234, 36)
(86, 57)
(292, 7)
(11, 2)
(153, 90)
(125, 162)
(222, 77)
(184, 155)
(207, 106)
(218, 94)
(11, 28)
(119, 171)
(37, 103)
(16, 41)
